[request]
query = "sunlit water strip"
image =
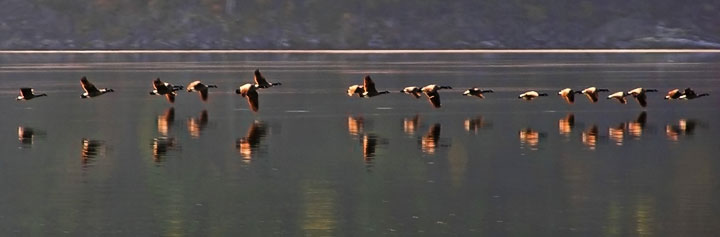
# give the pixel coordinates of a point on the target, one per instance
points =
(398, 51)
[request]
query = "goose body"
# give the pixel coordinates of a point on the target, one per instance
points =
(431, 91)
(369, 87)
(91, 90)
(592, 93)
(619, 96)
(476, 92)
(28, 94)
(412, 90)
(689, 94)
(640, 96)
(568, 95)
(166, 89)
(200, 88)
(261, 82)
(530, 95)
(250, 92)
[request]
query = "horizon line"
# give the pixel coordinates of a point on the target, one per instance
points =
(358, 51)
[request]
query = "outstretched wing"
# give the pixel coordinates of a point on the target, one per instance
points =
(434, 98)
(642, 99)
(204, 95)
(26, 92)
(260, 79)
(87, 86)
(253, 101)
(369, 85)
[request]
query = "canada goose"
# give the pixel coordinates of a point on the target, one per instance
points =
(530, 95)
(568, 95)
(166, 89)
(689, 94)
(369, 87)
(195, 125)
(476, 92)
(674, 94)
(619, 96)
(91, 90)
(200, 87)
(90, 149)
(160, 147)
(429, 142)
(431, 91)
(27, 94)
(590, 137)
(565, 125)
(356, 89)
(640, 96)
(260, 81)
(412, 90)
(410, 124)
(248, 145)
(165, 121)
(592, 93)
(249, 91)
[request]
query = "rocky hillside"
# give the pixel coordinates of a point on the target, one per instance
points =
(357, 24)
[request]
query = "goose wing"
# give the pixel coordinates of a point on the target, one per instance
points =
(592, 97)
(26, 92)
(252, 98)
(642, 99)
(369, 85)
(434, 98)
(170, 97)
(204, 94)
(87, 86)
(260, 79)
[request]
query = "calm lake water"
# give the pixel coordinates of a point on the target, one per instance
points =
(316, 162)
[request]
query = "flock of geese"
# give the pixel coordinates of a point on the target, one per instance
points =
(367, 90)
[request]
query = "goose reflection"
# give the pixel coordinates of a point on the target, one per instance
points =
(473, 125)
(165, 121)
(248, 145)
(566, 124)
(683, 127)
(636, 128)
(530, 138)
(429, 142)
(26, 135)
(590, 137)
(369, 142)
(90, 150)
(617, 133)
(356, 125)
(195, 125)
(160, 147)
(410, 124)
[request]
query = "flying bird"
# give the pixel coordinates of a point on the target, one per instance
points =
(619, 96)
(568, 95)
(412, 90)
(640, 96)
(166, 89)
(28, 94)
(431, 91)
(530, 95)
(91, 90)
(369, 87)
(476, 92)
(689, 94)
(592, 93)
(201, 88)
(261, 82)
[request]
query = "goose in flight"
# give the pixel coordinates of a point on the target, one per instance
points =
(476, 92)
(91, 90)
(689, 94)
(530, 95)
(250, 92)
(369, 87)
(201, 88)
(619, 96)
(674, 94)
(166, 89)
(568, 95)
(431, 91)
(27, 94)
(412, 90)
(261, 82)
(640, 96)
(592, 93)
